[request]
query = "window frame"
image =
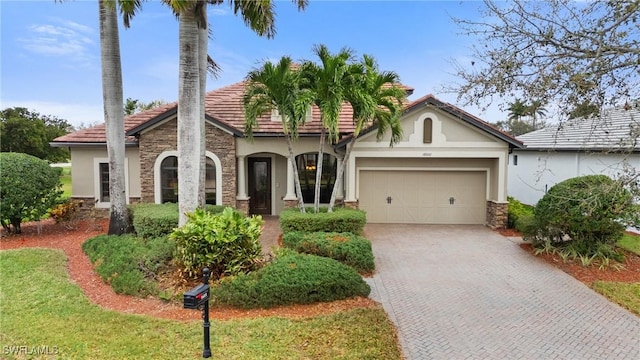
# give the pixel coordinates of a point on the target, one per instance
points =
(97, 181)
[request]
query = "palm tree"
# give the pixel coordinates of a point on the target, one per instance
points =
(259, 16)
(276, 87)
(517, 109)
(376, 100)
(535, 109)
(328, 81)
(113, 107)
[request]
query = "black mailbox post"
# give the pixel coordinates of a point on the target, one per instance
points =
(198, 298)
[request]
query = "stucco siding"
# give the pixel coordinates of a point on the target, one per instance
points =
(83, 174)
(536, 172)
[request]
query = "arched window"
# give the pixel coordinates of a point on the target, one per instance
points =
(307, 164)
(169, 180)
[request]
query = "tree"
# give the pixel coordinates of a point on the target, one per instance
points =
(277, 87)
(565, 52)
(534, 109)
(583, 110)
(28, 188)
(259, 16)
(119, 222)
(29, 132)
(376, 101)
(516, 127)
(133, 106)
(328, 81)
(517, 110)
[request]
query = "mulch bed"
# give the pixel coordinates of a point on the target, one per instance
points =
(47, 234)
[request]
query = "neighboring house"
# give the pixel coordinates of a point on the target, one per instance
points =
(598, 145)
(449, 168)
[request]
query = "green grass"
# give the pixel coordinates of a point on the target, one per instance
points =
(626, 295)
(630, 243)
(65, 178)
(40, 306)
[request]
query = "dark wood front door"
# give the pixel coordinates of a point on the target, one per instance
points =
(260, 186)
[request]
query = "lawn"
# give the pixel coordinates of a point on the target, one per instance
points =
(65, 179)
(630, 243)
(40, 306)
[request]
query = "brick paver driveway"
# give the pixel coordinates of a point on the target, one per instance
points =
(465, 292)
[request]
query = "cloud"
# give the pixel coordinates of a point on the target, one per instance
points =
(216, 11)
(75, 114)
(62, 38)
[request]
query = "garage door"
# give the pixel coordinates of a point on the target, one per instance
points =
(423, 197)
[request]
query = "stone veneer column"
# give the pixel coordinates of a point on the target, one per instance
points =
(497, 214)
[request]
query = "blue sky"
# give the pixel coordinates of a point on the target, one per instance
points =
(50, 52)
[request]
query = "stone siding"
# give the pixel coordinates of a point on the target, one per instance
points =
(497, 214)
(165, 138)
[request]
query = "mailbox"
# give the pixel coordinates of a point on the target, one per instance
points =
(196, 297)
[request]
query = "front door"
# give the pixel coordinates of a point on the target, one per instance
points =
(260, 186)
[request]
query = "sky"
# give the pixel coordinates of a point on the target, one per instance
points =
(50, 51)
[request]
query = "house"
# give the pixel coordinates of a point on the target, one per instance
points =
(449, 168)
(605, 144)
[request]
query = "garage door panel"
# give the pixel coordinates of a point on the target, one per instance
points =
(429, 197)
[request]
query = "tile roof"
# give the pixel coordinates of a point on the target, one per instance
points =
(614, 130)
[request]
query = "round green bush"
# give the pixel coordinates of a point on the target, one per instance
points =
(29, 187)
(292, 279)
(592, 209)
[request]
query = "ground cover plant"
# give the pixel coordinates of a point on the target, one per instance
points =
(349, 249)
(130, 264)
(41, 306)
(291, 278)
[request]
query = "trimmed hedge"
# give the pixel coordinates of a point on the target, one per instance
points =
(291, 278)
(349, 249)
(340, 220)
(153, 220)
(520, 216)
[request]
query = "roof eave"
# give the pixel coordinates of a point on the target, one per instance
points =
(80, 143)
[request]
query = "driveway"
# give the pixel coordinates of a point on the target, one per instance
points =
(466, 292)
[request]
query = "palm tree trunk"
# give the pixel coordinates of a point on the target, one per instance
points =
(114, 117)
(189, 123)
(318, 185)
(203, 39)
(296, 179)
(340, 174)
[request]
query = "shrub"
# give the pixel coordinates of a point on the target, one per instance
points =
(340, 220)
(153, 220)
(67, 211)
(226, 243)
(349, 249)
(130, 264)
(29, 187)
(291, 279)
(519, 215)
(582, 214)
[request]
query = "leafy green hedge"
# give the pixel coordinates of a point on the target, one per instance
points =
(340, 220)
(153, 220)
(129, 263)
(349, 249)
(519, 216)
(291, 278)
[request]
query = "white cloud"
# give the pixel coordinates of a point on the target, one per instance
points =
(216, 11)
(62, 39)
(75, 114)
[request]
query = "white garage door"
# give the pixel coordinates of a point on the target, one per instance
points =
(423, 197)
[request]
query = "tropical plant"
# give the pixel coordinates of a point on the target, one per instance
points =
(119, 222)
(227, 243)
(28, 188)
(277, 87)
(329, 82)
(376, 100)
(517, 110)
(534, 109)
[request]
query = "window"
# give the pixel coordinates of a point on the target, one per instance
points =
(427, 132)
(169, 180)
(307, 166)
(515, 160)
(103, 194)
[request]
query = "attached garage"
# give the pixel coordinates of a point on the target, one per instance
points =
(424, 196)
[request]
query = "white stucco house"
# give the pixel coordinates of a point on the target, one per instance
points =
(605, 144)
(449, 168)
